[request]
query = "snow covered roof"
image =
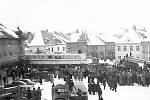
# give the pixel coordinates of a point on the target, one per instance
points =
(94, 40)
(62, 36)
(74, 37)
(133, 36)
(91, 39)
(37, 40)
(6, 32)
(107, 37)
(146, 39)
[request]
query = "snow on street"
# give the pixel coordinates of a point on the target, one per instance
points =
(123, 92)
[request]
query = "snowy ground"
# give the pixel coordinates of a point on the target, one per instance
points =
(123, 92)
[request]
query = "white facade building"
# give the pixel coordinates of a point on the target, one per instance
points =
(128, 49)
(61, 48)
(38, 46)
(146, 49)
(130, 44)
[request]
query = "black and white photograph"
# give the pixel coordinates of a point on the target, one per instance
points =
(74, 50)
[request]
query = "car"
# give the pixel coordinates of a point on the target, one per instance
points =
(15, 83)
(27, 81)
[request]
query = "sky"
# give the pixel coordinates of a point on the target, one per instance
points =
(94, 16)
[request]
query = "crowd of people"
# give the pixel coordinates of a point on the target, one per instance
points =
(78, 74)
(12, 71)
(123, 74)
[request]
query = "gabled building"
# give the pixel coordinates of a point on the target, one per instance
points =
(78, 42)
(46, 42)
(130, 43)
(94, 46)
(11, 46)
(109, 42)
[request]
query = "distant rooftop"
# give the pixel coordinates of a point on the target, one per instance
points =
(133, 35)
(6, 32)
(37, 40)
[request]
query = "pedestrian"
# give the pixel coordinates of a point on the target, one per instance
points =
(39, 93)
(34, 93)
(4, 80)
(53, 85)
(104, 83)
(29, 94)
(100, 93)
(90, 88)
(94, 88)
(89, 79)
(40, 80)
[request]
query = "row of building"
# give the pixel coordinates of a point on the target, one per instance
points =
(131, 42)
(55, 42)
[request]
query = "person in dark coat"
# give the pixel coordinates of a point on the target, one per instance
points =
(90, 88)
(100, 93)
(40, 81)
(89, 79)
(4, 80)
(94, 88)
(104, 83)
(29, 94)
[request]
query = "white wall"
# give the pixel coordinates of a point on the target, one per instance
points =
(55, 48)
(122, 53)
(48, 48)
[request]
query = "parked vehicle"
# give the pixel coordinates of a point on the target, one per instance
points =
(15, 83)
(27, 81)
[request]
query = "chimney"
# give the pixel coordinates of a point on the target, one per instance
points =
(134, 27)
(46, 30)
(144, 29)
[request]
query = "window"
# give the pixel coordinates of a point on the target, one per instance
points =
(58, 57)
(4, 51)
(119, 57)
(63, 48)
(52, 49)
(119, 48)
(149, 49)
(34, 57)
(124, 48)
(137, 48)
(61, 90)
(50, 57)
(57, 48)
(131, 48)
